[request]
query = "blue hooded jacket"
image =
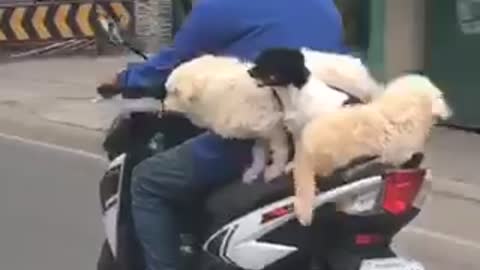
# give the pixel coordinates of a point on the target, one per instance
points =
(241, 28)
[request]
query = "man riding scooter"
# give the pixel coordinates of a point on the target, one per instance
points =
(169, 184)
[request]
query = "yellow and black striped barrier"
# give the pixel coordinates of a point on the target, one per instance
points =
(57, 21)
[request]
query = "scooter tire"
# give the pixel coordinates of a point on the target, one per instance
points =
(106, 260)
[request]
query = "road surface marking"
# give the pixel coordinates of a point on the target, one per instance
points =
(73, 151)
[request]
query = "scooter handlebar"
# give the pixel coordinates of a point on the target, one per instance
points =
(131, 101)
(108, 91)
(127, 106)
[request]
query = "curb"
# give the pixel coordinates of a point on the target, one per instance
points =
(456, 189)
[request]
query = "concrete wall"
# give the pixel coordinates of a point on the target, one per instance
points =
(404, 36)
(153, 23)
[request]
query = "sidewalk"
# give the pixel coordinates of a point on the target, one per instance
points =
(60, 90)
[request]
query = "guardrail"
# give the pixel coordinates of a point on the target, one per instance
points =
(25, 21)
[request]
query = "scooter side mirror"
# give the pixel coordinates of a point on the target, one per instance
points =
(112, 30)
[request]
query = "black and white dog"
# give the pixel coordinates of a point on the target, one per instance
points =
(302, 95)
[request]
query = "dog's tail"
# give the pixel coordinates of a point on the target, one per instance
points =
(304, 179)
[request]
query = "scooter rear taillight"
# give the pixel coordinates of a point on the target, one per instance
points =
(366, 239)
(401, 189)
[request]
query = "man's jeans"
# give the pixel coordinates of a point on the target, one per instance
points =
(164, 190)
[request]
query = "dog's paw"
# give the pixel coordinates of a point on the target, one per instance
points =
(288, 167)
(272, 172)
(303, 212)
(250, 175)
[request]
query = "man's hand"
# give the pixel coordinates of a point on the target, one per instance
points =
(110, 87)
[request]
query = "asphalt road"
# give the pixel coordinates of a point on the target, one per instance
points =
(49, 214)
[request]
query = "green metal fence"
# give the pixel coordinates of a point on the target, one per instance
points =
(453, 56)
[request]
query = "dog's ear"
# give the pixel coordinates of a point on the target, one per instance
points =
(441, 109)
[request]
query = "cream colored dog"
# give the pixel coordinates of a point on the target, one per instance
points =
(394, 126)
(218, 93)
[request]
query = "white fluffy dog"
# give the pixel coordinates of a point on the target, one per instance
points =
(392, 127)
